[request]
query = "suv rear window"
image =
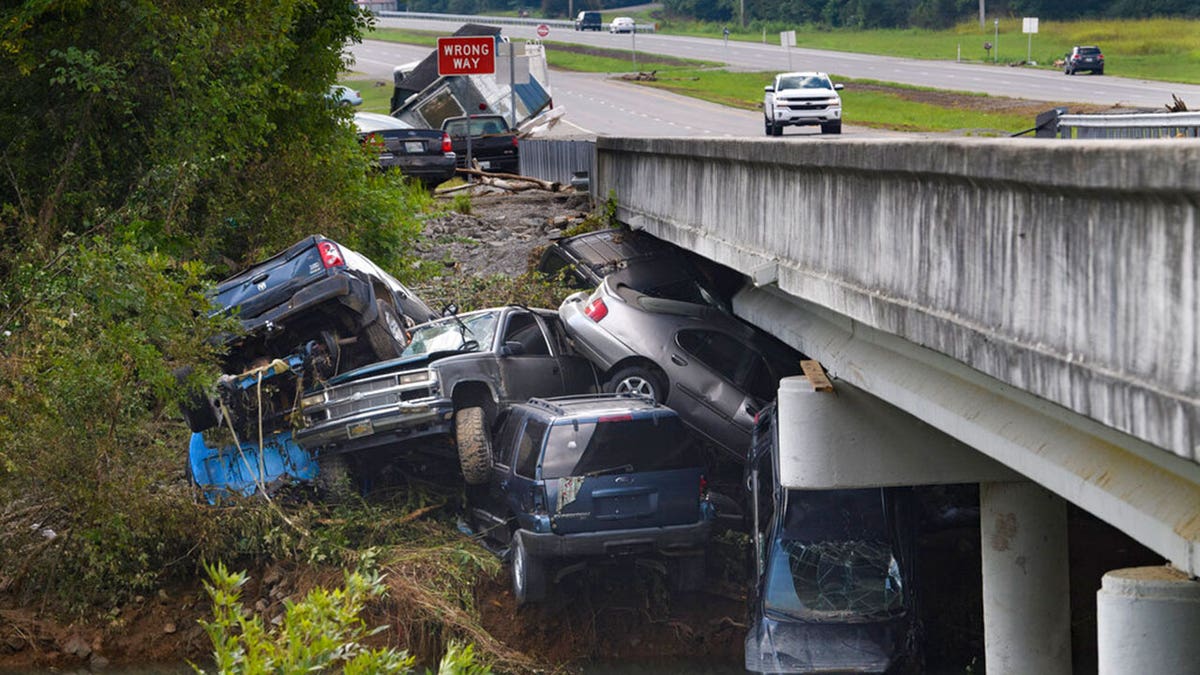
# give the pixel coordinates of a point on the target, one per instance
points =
(658, 443)
(1089, 51)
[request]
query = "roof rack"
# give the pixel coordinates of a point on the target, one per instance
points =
(556, 404)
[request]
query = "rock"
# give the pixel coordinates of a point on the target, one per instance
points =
(76, 646)
(272, 575)
(98, 662)
(169, 628)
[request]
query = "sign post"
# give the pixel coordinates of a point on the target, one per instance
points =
(787, 38)
(1029, 25)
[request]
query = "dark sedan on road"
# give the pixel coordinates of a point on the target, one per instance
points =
(424, 154)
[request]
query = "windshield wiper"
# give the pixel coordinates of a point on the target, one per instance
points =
(623, 468)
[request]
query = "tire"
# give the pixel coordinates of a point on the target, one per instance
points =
(770, 128)
(832, 127)
(386, 333)
(474, 445)
(334, 481)
(1100, 71)
(639, 381)
(528, 574)
(688, 574)
(196, 408)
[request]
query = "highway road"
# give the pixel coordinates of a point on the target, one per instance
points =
(597, 105)
(1031, 83)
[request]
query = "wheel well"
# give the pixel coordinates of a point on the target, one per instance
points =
(468, 394)
(641, 362)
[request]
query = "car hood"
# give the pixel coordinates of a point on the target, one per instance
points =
(391, 365)
(806, 93)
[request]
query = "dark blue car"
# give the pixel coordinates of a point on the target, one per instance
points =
(595, 476)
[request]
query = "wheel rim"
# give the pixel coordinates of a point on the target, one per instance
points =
(394, 327)
(637, 385)
(519, 570)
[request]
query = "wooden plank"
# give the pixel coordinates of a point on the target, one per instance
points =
(816, 376)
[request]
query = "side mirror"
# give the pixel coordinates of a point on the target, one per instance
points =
(512, 348)
(839, 87)
(770, 88)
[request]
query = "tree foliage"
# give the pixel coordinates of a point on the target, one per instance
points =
(148, 147)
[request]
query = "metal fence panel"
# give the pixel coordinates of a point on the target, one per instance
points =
(1135, 125)
(558, 160)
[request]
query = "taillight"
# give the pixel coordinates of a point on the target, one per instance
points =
(596, 310)
(703, 485)
(330, 255)
(514, 141)
(615, 418)
(446, 147)
(1100, 56)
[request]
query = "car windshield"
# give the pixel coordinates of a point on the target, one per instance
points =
(805, 82)
(657, 443)
(453, 334)
(833, 561)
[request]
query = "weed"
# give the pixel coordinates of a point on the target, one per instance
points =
(461, 202)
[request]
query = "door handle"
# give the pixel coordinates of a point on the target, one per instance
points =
(678, 360)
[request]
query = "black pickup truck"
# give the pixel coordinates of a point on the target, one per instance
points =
(493, 145)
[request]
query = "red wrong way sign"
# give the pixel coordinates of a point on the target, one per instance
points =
(543, 30)
(472, 55)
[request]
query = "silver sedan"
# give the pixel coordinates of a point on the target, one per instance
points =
(716, 371)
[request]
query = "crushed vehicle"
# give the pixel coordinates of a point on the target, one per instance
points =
(424, 99)
(644, 262)
(316, 298)
(581, 478)
(485, 140)
(832, 584)
(802, 99)
(712, 368)
(454, 378)
(424, 154)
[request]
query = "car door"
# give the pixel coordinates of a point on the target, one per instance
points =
(706, 389)
(527, 367)
(578, 374)
(490, 503)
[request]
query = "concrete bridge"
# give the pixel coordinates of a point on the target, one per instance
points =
(1036, 300)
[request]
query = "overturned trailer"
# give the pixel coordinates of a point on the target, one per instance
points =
(423, 98)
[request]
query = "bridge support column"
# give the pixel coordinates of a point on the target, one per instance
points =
(1147, 621)
(1026, 583)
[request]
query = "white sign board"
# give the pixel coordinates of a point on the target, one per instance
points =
(1029, 24)
(787, 38)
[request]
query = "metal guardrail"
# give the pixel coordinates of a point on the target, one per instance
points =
(558, 160)
(1131, 125)
(498, 20)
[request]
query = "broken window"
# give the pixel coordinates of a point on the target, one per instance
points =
(644, 444)
(834, 561)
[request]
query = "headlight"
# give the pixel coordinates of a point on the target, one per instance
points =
(417, 377)
(312, 400)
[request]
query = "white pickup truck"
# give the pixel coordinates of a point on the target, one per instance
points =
(802, 99)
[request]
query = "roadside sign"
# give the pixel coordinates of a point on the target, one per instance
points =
(787, 38)
(1029, 24)
(472, 55)
(543, 30)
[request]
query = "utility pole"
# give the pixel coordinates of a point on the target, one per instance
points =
(982, 14)
(742, 13)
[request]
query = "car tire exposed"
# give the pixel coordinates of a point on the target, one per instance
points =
(528, 574)
(474, 445)
(638, 381)
(386, 333)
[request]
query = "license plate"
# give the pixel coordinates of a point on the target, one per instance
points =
(485, 165)
(414, 146)
(360, 429)
(385, 155)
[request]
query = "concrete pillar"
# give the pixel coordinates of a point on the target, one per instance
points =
(1148, 621)
(1026, 582)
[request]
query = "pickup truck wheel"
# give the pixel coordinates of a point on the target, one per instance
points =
(386, 333)
(474, 445)
(196, 408)
(528, 574)
(832, 127)
(769, 127)
(333, 478)
(638, 381)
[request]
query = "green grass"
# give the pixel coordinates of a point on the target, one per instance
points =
(1154, 49)
(376, 94)
(863, 107)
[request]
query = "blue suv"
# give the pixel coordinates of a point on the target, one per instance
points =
(595, 476)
